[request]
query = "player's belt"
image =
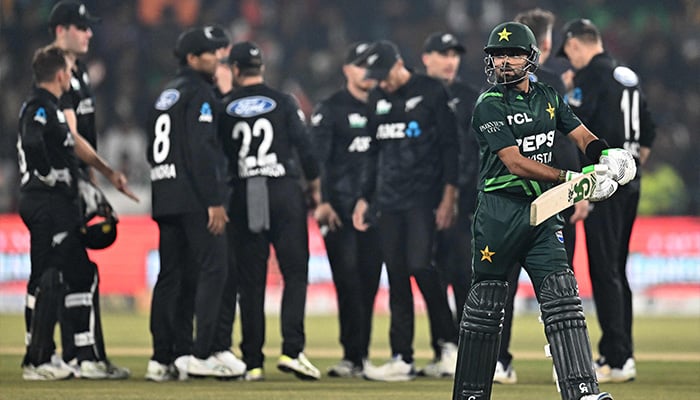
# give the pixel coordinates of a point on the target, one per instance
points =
(513, 184)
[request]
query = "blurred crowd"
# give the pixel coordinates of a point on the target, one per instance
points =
(131, 55)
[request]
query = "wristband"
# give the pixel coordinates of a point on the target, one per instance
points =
(595, 148)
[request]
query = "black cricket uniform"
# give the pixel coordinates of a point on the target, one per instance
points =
(53, 217)
(261, 130)
(185, 181)
(341, 142)
(565, 155)
(608, 99)
(412, 156)
(452, 245)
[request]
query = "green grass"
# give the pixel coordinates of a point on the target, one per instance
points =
(667, 350)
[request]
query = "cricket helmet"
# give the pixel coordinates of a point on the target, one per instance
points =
(99, 227)
(506, 38)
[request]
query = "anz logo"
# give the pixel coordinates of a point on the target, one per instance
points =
(251, 106)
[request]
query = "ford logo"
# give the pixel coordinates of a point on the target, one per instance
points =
(167, 99)
(250, 106)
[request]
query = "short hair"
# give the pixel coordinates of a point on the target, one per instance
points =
(248, 71)
(46, 62)
(538, 20)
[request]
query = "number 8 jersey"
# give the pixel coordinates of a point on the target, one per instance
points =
(183, 150)
(261, 128)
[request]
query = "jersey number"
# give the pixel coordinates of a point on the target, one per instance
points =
(261, 127)
(22, 159)
(161, 143)
(629, 104)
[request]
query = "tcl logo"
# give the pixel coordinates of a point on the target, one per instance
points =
(518, 118)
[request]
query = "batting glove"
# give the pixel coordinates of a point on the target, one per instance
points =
(621, 165)
(605, 185)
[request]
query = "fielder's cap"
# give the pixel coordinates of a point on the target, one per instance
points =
(220, 34)
(379, 59)
(576, 28)
(441, 42)
(199, 40)
(245, 54)
(355, 51)
(70, 12)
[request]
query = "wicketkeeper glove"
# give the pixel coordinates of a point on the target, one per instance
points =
(620, 163)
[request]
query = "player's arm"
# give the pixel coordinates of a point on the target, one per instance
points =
(85, 151)
(34, 147)
(524, 167)
(449, 147)
(322, 140)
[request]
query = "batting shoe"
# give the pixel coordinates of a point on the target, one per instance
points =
(505, 374)
(254, 375)
(46, 372)
(210, 367)
(599, 396)
(234, 363)
(301, 367)
(396, 370)
(157, 372)
(345, 369)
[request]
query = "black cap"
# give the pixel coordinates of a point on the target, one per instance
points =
(442, 41)
(245, 54)
(355, 51)
(198, 40)
(575, 28)
(220, 34)
(69, 12)
(379, 59)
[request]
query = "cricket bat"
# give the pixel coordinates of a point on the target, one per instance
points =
(561, 197)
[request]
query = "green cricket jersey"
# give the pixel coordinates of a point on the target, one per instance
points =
(505, 118)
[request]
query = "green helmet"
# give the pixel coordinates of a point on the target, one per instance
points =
(511, 35)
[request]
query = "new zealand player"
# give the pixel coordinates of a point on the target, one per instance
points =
(188, 205)
(607, 97)
(261, 130)
(410, 179)
(441, 56)
(515, 123)
(341, 142)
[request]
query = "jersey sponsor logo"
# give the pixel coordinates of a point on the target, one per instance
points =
(61, 116)
(574, 98)
(163, 171)
(626, 76)
(412, 103)
(86, 106)
(357, 120)
(560, 236)
(534, 142)
(491, 126)
(316, 119)
(518, 118)
(40, 116)
(250, 106)
(167, 99)
(74, 83)
(383, 107)
(205, 114)
(413, 130)
(360, 144)
(391, 131)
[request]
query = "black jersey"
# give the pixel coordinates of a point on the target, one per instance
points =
(414, 149)
(341, 141)
(608, 100)
(462, 99)
(183, 149)
(80, 99)
(45, 146)
(261, 129)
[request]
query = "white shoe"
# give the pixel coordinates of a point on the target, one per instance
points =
(212, 366)
(300, 366)
(234, 363)
(627, 373)
(254, 375)
(599, 396)
(345, 369)
(431, 370)
(158, 372)
(505, 375)
(448, 360)
(93, 370)
(46, 372)
(396, 370)
(180, 367)
(116, 372)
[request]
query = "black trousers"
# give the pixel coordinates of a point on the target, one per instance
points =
(191, 281)
(569, 232)
(288, 234)
(608, 231)
(356, 263)
(53, 221)
(407, 244)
